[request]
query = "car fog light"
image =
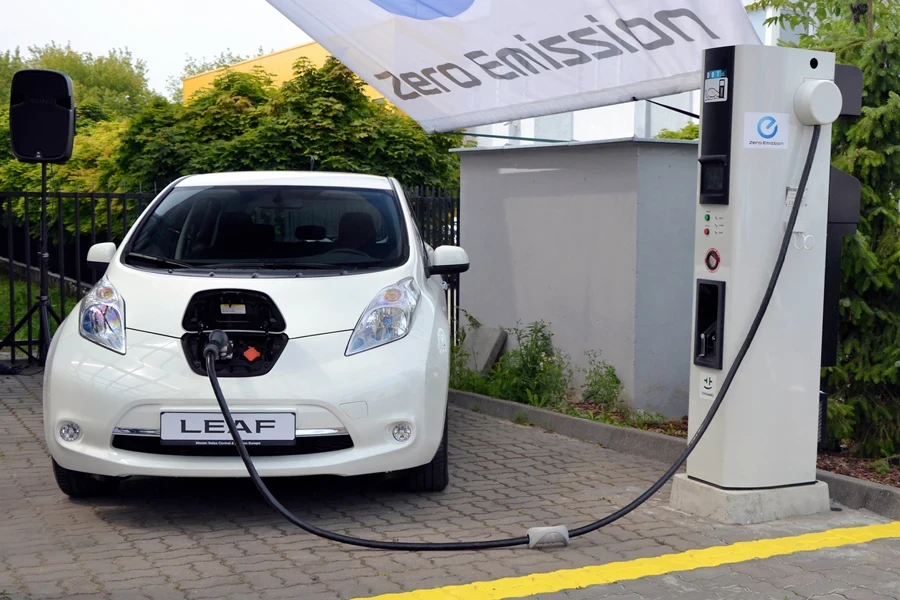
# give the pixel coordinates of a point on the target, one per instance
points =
(69, 432)
(402, 432)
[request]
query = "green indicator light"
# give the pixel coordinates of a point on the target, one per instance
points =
(706, 217)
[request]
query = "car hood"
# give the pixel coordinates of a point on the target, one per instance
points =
(155, 302)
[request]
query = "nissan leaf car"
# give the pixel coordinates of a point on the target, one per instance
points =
(336, 311)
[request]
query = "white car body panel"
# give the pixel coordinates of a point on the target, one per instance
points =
(364, 394)
(310, 306)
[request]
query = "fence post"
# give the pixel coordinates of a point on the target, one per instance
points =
(108, 214)
(61, 248)
(28, 268)
(12, 292)
(77, 246)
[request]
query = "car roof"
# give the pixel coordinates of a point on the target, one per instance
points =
(297, 178)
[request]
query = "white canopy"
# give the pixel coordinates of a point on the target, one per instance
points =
(459, 63)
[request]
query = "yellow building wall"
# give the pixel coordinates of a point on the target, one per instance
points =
(279, 65)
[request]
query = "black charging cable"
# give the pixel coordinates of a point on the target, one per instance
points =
(219, 346)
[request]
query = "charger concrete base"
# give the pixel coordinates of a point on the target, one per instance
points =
(743, 507)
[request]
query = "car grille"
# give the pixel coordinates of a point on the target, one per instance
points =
(303, 445)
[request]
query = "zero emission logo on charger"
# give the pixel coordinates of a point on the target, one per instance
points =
(766, 130)
(425, 10)
(767, 127)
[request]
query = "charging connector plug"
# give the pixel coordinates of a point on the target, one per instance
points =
(219, 346)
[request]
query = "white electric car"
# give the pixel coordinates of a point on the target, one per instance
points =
(336, 310)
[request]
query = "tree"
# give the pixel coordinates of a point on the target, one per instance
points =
(153, 149)
(691, 131)
(243, 122)
(10, 62)
(866, 383)
(6, 154)
(193, 66)
(106, 87)
(108, 90)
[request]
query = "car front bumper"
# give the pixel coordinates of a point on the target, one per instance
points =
(362, 396)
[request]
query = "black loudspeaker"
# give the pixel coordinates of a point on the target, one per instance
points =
(41, 116)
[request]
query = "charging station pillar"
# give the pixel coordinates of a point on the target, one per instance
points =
(757, 460)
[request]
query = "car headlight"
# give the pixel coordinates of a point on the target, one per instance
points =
(102, 317)
(388, 317)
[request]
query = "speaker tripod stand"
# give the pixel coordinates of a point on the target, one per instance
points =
(42, 305)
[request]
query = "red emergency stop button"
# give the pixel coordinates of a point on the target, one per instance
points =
(713, 260)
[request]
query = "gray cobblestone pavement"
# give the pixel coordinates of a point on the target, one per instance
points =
(186, 539)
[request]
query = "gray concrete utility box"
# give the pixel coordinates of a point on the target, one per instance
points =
(597, 239)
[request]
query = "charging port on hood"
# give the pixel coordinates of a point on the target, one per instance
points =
(253, 323)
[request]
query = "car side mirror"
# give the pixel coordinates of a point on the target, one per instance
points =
(448, 260)
(100, 255)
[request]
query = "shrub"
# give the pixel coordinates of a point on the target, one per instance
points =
(534, 372)
(867, 377)
(461, 377)
(602, 385)
(538, 374)
(841, 420)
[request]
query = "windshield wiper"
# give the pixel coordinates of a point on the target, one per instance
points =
(159, 260)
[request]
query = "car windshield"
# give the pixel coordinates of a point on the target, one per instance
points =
(275, 227)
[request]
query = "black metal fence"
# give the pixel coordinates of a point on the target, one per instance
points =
(437, 217)
(78, 220)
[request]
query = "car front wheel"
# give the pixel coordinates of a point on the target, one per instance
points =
(435, 476)
(83, 485)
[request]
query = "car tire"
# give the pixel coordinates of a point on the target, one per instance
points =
(82, 485)
(435, 476)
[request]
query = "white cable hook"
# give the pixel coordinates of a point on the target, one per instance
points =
(803, 241)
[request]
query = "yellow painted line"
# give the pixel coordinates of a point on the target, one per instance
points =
(568, 579)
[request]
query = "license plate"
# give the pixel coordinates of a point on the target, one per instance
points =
(210, 429)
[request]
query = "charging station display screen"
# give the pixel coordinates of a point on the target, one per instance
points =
(712, 178)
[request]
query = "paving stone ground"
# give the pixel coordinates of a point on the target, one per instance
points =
(187, 539)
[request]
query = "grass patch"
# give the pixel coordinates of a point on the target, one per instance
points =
(521, 418)
(625, 417)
